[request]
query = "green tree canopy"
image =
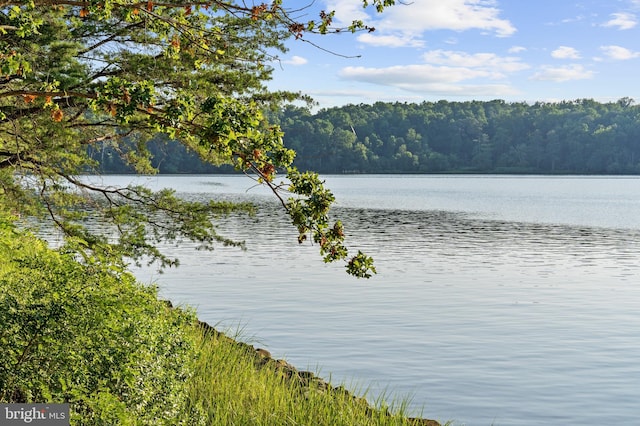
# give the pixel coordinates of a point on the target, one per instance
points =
(116, 73)
(569, 137)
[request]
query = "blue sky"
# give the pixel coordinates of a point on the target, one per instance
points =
(516, 50)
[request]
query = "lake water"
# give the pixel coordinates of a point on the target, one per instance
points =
(499, 300)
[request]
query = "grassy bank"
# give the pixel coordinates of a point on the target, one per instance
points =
(89, 334)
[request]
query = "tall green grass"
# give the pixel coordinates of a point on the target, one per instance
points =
(232, 385)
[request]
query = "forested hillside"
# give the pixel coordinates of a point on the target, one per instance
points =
(582, 136)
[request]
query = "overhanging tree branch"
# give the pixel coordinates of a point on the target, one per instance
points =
(81, 73)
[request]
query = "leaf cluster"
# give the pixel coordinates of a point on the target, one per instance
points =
(309, 211)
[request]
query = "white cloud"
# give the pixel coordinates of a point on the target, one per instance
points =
(517, 49)
(409, 75)
(295, 60)
(572, 20)
(444, 73)
(457, 15)
(347, 11)
(565, 52)
(619, 53)
(561, 74)
(484, 61)
(328, 97)
(396, 76)
(415, 17)
(624, 21)
(428, 79)
(373, 39)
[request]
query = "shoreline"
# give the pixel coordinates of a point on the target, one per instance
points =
(307, 380)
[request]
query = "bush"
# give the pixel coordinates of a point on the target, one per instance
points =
(88, 334)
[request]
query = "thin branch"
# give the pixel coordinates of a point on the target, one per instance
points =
(52, 214)
(17, 158)
(105, 138)
(64, 94)
(317, 46)
(110, 38)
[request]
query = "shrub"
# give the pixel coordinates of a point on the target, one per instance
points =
(87, 333)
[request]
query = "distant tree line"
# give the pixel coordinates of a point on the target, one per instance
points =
(167, 156)
(582, 136)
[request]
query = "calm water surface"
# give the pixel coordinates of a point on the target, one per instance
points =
(499, 300)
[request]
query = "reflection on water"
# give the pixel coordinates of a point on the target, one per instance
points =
(481, 318)
(446, 241)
